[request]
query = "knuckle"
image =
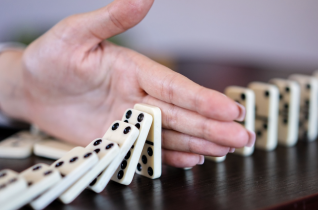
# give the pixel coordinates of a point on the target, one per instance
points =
(199, 100)
(192, 145)
(167, 87)
(116, 21)
(206, 130)
(171, 117)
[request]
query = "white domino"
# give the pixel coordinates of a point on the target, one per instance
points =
(125, 172)
(72, 166)
(106, 151)
(51, 148)
(308, 106)
(245, 97)
(288, 119)
(266, 114)
(18, 146)
(39, 177)
(11, 184)
(124, 135)
(143, 121)
(152, 148)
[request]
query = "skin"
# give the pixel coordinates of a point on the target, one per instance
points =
(73, 85)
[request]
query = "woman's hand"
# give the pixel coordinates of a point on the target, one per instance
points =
(75, 84)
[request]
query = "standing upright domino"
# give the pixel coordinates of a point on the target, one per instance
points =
(308, 106)
(72, 166)
(289, 96)
(11, 184)
(39, 177)
(266, 114)
(125, 172)
(18, 146)
(151, 152)
(106, 151)
(245, 97)
(124, 135)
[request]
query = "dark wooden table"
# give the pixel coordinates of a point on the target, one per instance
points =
(286, 178)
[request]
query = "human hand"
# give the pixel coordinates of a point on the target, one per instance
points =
(75, 85)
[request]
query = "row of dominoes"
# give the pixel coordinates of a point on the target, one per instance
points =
(128, 146)
(280, 112)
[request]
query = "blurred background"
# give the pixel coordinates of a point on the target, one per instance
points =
(214, 43)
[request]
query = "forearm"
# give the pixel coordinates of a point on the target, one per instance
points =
(12, 93)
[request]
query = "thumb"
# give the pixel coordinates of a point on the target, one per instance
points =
(93, 27)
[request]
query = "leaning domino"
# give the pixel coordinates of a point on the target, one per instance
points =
(18, 146)
(266, 105)
(126, 171)
(245, 97)
(288, 119)
(308, 106)
(51, 148)
(106, 151)
(39, 177)
(152, 148)
(124, 135)
(11, 184)
(71, 166)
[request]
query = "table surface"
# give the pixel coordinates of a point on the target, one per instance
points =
(265, 179)
(282, 179)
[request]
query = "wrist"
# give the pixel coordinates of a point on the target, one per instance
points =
(13, 101)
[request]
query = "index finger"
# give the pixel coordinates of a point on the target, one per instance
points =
(172, 87)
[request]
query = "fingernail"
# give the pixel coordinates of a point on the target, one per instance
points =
(231, 150)
(251, 140)
(242, 112)
(201, 160)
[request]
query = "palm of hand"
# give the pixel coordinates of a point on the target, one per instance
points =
(79, 98)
